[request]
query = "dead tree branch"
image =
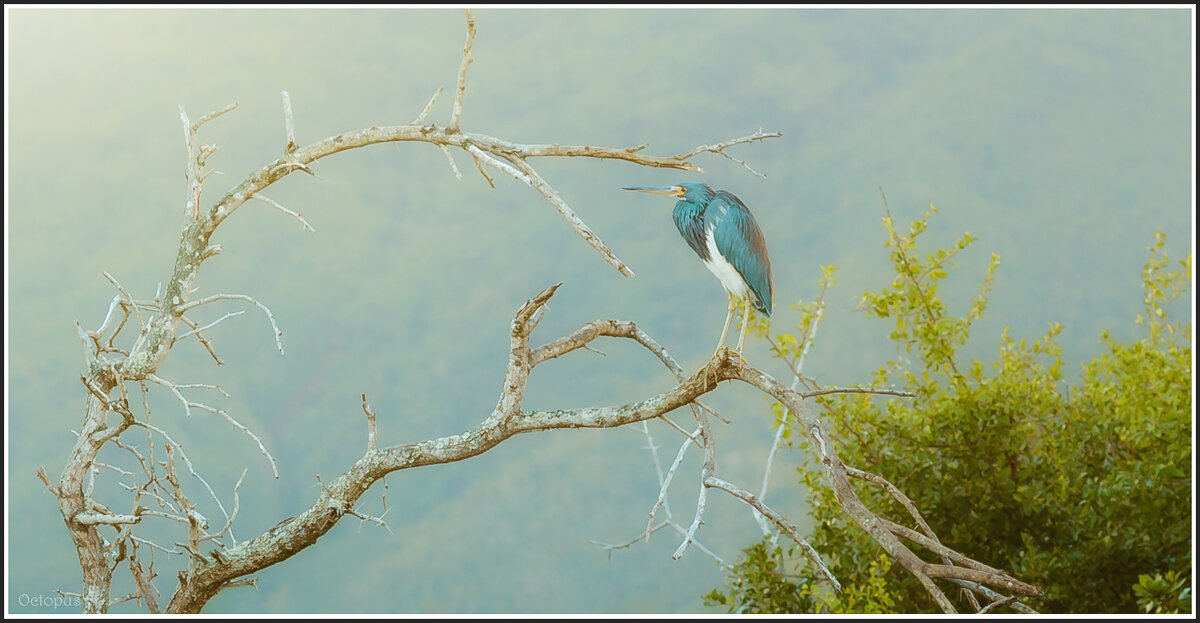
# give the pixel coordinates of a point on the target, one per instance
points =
(338, 497)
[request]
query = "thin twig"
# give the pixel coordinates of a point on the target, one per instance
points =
(456, 113)
(428, 107)
(689, 537)
(186, 461)
(365, 518)
(113, 468)
(766, 479)
(108, 317)
(154, 513)
(517, 175)
(213, 115)
(196, 330)
(233, 515)
(692, 435)
(706, 471)
(236, 297)
(41, 474)
(154, 545)
(666, 482)
(483, 171)
(896, 494)
(285, 210)
(196, 521)
(720, 561)
(778, 520)
(1000, 603)
(128, 298)
(88, 357)
(197, 155)
(534, 179)
(666, 523)
(215, 388)
(187, 406)
(454, 167)
(721, 147)
(858, 390)
(371, 439)
(658, 471)
(649, 530)
(287, 123)
(238, 425)
(121, 600)
(993, 595)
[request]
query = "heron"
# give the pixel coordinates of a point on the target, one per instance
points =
(723, 233)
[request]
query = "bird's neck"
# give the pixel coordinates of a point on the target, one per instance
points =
(689, 219)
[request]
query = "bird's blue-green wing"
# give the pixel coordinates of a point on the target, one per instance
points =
(741, 242)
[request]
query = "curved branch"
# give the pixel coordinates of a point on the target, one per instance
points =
(493, 150)
(204, 579)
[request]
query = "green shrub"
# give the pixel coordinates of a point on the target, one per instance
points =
(1084, 491)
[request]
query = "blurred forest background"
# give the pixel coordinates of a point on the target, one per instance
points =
(1061, 139)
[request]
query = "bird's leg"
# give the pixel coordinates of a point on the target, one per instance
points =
(745, 323)
(724, 334)
(728, 320)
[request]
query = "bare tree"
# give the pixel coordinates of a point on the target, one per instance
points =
(117, 382)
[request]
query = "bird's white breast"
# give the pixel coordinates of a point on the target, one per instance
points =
(719, 266)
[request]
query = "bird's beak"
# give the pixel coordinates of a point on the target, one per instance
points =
(673, 191)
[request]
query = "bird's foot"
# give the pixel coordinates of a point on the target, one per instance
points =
(702, 373)
(715, 361)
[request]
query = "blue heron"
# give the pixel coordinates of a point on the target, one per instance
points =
(721, 230)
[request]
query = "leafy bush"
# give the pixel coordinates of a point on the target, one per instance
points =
(1163, 595)
(1083, 490)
